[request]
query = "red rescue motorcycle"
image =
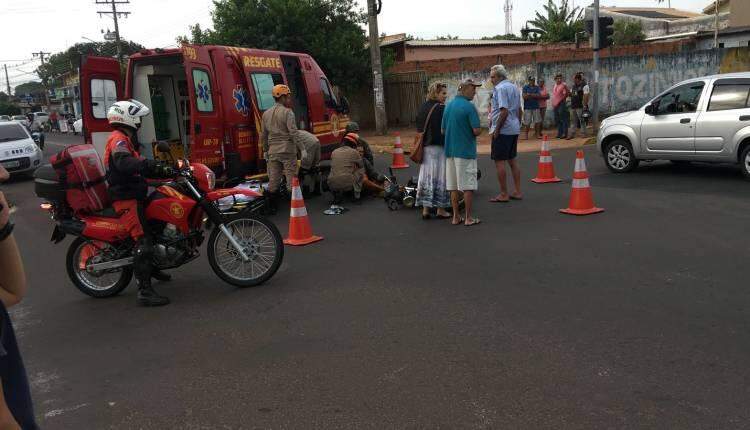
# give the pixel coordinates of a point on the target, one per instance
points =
(244, 249)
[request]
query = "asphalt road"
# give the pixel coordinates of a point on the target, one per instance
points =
(638, 317)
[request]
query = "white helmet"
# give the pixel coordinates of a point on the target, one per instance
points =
(127, 113)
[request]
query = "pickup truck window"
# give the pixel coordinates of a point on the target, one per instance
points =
(725, 97)
(683, 99)
(263, 84)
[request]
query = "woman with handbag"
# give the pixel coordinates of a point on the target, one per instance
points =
(429, 142)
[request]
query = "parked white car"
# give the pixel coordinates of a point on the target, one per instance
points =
(21, 119)
(40, 119)
(18, 152)
(4, 118)
(703, 119)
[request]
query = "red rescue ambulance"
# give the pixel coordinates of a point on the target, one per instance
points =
(207, 101)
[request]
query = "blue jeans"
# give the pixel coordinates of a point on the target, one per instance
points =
(562, 119)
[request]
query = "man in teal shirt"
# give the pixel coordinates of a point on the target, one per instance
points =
(461, 128)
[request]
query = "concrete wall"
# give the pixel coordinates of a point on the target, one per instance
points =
(740, 13)
(626, 81)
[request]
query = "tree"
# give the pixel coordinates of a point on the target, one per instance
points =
(4, 97)
(34, 88)
(559, 25)
(7, 108)
(628, 32)
(62, 62)
(447, 37)
(502, 37)
(331, 31)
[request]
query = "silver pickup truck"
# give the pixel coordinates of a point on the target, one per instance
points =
(703, 119)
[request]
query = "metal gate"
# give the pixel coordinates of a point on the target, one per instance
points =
(404, 94)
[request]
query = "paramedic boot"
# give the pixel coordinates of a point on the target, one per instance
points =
(147, 295)
(142, 266)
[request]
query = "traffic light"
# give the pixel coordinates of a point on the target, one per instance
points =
(605, 31)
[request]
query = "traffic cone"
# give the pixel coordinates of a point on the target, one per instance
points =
(581, 199)
(399, 162)
(545, 170)
(300, 232)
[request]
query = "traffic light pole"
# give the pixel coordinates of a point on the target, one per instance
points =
(594, 99)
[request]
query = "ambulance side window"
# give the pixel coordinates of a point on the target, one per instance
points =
(103, 95)
(203, 99)
(328, 96)
(263, 84)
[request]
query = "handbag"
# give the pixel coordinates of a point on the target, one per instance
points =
(417, 154)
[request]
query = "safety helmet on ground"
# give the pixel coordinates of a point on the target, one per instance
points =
(127, 113)
(280, 90)
(352, 127)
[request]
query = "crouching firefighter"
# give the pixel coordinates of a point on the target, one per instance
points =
(126, 173)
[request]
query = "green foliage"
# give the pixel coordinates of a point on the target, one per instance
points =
(329, 30)
(447, 37)
(4, 97)
(33, 88)
(6, 108)
(628, 32)
(560, 24)
(502, 37)
(68, 60)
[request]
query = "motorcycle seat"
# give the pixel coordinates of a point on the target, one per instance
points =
(107, 213)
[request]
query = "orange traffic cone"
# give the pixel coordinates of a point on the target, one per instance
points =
(399, 162)
(581, 199)
(545, 170)
(300, 232)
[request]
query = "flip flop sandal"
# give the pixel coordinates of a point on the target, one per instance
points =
(460, 221)
(496, 200)
(473, 221)
(446, 216)
(516, 197)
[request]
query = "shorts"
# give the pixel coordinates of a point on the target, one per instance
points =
(504, 147)
(460, 174)
(531, 116)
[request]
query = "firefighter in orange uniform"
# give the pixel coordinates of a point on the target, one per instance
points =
(126, 173)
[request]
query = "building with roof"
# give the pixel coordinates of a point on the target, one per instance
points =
(407, 49)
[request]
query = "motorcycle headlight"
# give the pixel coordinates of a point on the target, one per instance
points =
(211, 179)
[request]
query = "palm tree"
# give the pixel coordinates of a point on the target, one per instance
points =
(559, 25)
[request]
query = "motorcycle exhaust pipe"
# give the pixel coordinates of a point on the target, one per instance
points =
(114, 264)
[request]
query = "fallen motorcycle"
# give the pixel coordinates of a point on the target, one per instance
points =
(244, 248)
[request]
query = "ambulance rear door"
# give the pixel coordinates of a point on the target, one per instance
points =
(206, 127)
(100, 87)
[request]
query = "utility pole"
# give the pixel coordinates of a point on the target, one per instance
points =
(595, 87)
(7, 81)
(115, 14)
(41, 55)
(716, 24)
(381, 120)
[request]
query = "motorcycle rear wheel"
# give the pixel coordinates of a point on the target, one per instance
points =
(260, 239)
(113, 282)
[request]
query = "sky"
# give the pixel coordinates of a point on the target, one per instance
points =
(156, 23)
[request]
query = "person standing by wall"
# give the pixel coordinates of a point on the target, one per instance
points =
(504, 129)
(560, 95)
(531, 115)
(16, 409)
(431, 191)
(461, 127)
(544, 96)
(579, 102)
(278, 140)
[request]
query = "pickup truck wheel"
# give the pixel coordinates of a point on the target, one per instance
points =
(619, 156)
(745, 161)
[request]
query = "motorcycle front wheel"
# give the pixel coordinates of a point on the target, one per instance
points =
(260, 241)
(99, 284)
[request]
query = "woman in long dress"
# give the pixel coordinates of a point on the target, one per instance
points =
(431, 192)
